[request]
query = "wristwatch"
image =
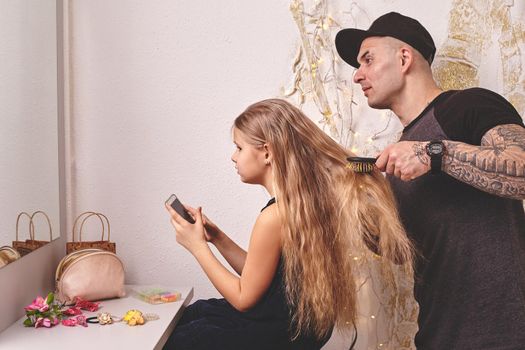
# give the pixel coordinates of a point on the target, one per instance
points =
(435, 150)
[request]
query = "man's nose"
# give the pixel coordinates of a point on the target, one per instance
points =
(358, 76)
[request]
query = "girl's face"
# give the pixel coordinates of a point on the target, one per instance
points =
(249, 159)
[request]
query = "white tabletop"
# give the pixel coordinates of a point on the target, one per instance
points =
(151, 335)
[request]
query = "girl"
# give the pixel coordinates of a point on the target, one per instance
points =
(296, 281)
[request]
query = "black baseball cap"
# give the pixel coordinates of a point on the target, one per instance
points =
(348, 41)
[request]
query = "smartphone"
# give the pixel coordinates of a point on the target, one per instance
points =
(175, 203)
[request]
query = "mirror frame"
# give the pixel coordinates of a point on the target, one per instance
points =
(38, 268)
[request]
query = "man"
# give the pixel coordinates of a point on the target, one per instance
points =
(458, 174)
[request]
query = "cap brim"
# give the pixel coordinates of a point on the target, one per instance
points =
(348, 42)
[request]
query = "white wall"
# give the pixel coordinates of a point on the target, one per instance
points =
(155, 88)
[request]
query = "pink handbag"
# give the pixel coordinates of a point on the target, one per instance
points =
(90, 274)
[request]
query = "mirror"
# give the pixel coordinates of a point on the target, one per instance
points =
(28, 134)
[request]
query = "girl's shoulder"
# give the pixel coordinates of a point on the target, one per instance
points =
(268, 222)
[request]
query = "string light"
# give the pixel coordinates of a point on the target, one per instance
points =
(320, 76)
(316, 67)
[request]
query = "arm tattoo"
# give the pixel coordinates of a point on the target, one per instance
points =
(421, 152)
(496, 167)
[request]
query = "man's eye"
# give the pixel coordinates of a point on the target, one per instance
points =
(238, 148)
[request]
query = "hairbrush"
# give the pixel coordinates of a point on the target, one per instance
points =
(361, 164)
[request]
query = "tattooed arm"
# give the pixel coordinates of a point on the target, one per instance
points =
(496, 167)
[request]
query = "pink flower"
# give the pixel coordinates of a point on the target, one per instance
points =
(86, 305)
(43, 322)
(70, 322)
(38, 304)
(72, 311)
(81, 321)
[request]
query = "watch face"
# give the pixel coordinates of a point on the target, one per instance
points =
(435, 148)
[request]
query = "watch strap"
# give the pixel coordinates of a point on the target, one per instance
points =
(436, 159)
(435, 163)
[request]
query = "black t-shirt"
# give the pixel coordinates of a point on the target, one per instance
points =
(470, 275)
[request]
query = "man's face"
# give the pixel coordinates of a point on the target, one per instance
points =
(379, 74)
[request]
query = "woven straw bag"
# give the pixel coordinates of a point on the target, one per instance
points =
(27, 246)
(102, 244)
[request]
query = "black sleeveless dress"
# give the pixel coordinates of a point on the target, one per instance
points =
(215, 324)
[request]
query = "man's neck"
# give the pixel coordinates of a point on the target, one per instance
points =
(411, 103)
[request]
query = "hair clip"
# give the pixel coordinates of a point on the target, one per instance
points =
(133, 318)
(103, 318)
(75, 321)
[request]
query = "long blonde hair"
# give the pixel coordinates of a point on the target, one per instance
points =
(330, 215)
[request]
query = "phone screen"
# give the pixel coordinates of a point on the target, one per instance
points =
(174, 202)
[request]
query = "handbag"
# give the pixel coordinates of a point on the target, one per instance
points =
(27, 246)
(89, 274)
(102, 244)
(8, 255)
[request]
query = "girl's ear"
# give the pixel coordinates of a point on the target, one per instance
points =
(268, 153)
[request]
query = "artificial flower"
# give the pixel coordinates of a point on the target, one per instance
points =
(82, 320)
(75, 321)
(70, 322)
(86, 305)
(39, 304)
(46, 322)
(72, 311)
(43, 312)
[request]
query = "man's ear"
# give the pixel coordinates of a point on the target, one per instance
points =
(407, 58)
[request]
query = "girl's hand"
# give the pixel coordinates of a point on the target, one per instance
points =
(211, 231)
(190, 236)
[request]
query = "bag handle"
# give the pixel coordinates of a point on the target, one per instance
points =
(78, 218)
(48, 223)
(100, 216)
(89, 214)
(31, 225)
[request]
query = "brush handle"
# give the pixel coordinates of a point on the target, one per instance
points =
(362, 159)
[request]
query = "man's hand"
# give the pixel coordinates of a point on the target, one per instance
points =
(406, 160)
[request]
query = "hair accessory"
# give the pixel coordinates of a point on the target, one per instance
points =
(151, 317)
(103, 318)
(72, 311)
(348, 41)
(76, 321)
(361, 164)
(86, 305)
(93, 319)
(133, 317)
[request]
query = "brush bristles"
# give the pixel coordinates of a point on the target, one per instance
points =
(361, 167)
